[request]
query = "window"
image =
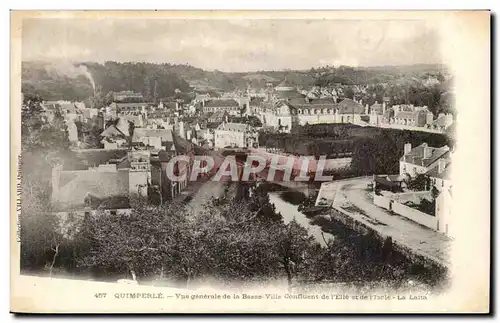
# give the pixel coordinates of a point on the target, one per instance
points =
(113, 212)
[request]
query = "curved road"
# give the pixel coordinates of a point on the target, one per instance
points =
(423, 240)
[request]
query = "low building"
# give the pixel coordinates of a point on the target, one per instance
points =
(231, 106)
(127, 95)
(113, 137)
(161, 139)
(410, 115)
(421, 159)
(442, 122)
(377, 113)
(351, 111)
(240, 135)
(440, 176)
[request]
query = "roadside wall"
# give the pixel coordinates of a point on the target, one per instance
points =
(406, 211)
(382, 201)
(415, 215)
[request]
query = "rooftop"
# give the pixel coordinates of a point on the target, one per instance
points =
(349, 106)
(165, 134)
(445, 174)
(222, 103)
(232, 126)
(416, 155)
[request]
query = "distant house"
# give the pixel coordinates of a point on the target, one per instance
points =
(351, 111)
(231, 106)
(440, 176)
(123, 108)
(161, 139)
(127, 95)
(124, 120)
(113, 137)
(377, 113)
(442, 122)
(410, 115)
(70, 111)
(230, 134)
(421, 159)
(254, 105)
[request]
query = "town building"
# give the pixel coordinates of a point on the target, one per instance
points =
(285, 107)
(442, 122)
(240, 135)
(440, 176)
(377, 113)
(127, 95)
(231, 106)
(421, 159)
(160, 139)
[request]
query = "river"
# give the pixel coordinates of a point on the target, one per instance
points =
(290, 212)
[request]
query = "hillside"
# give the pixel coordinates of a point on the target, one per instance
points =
(77, 82)
(53, 81)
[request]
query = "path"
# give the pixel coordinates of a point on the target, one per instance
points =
(422, 240)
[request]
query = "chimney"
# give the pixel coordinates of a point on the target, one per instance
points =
(441, 165)
(427, 152)
(407, 148)
(182, 132)
(367, 108)
(383, 107)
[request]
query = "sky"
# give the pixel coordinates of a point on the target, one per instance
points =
(233, 45)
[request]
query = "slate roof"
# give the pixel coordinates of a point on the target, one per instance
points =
(445, 174)
(165, 134)
(416, 155)
(221, 103)
(349, 106)
(112, 131)
(440, 121)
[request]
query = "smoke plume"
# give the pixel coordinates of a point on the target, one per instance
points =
(71, 70)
